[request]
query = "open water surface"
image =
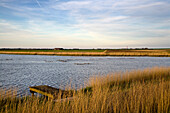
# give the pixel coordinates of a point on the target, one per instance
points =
(22, 71)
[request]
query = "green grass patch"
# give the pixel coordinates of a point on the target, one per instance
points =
(44, 50)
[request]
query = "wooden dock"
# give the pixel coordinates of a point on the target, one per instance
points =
(50, 92)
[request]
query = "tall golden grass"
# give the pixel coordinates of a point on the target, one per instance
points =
(158, 53)
(139, 91)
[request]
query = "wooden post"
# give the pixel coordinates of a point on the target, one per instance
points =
(32, 93)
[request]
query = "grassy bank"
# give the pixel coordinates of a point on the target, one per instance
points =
(146, 91)
(51, 50)
(111, 52)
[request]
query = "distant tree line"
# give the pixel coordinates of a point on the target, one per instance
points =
(78, 48)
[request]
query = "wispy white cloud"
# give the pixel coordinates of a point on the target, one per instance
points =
(109, 22)
(38, 2)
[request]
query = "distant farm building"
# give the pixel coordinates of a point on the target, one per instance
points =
(58, 48)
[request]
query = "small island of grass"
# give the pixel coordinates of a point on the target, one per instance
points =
(90, 52)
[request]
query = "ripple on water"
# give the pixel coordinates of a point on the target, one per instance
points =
(60, 71)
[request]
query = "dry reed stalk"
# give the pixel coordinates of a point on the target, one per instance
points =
(138, 91)
(105, 53)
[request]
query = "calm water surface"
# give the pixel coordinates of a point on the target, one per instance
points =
(22, 71)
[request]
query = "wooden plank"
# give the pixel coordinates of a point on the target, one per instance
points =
(41, 92)
(50, 91)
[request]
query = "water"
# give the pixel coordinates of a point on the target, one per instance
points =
(22, 71)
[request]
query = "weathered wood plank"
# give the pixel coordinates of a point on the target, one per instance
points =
(50, 91)
(41, 92)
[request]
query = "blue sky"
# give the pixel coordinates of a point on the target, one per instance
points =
(84, 23)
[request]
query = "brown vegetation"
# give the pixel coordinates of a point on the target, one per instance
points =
(146, 91)
(112, 52)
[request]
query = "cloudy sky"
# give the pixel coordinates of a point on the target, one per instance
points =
(85, 23)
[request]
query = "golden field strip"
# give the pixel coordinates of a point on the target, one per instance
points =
(138, 91)
(111, 52)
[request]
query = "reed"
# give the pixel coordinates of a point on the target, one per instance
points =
(138, 91)
(153, 53)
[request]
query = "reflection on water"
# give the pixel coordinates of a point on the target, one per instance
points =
(22, 71)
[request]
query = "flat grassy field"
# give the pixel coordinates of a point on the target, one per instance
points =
(138, 91)
(45, 50)
(93, 52)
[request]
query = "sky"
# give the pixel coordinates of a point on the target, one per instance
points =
(84, 23)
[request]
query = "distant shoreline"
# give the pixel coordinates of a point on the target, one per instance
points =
(114, 52)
